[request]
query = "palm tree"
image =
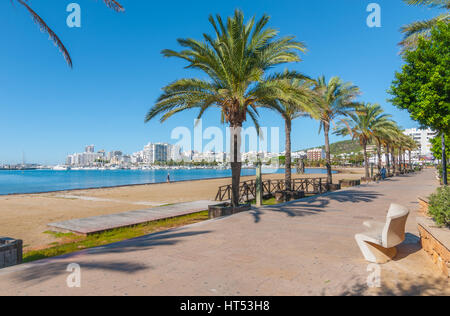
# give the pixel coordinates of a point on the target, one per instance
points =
(236, 62)
(412, 32)
(410, 146)
(306, 104)
(336, 100)
(362, 125)
(382, 138)
(113, 4)
(395, 146)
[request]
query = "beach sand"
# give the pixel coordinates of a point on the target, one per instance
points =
(26, 216)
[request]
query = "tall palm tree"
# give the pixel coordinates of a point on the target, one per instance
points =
(395, 146)
(362, 125)
(236, 61)
(305, 104)
(411, 146)
(382, 138)
(412, 32)
(113, 4)
(336, 100)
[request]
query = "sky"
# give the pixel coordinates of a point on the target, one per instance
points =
(48, 110)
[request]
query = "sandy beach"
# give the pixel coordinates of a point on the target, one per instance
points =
(26, 216)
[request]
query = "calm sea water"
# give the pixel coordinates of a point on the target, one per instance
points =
(33, 181)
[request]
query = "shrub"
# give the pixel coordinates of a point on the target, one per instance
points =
(440, 206)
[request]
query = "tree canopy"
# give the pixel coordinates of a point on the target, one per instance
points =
(436, 148)
(423, 85)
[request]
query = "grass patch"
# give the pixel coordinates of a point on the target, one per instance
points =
(271, 201)
(69, 242)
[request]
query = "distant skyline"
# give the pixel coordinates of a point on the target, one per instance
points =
(49, 111)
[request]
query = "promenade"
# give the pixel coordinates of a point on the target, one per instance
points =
(300, 248)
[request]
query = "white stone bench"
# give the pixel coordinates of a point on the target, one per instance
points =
(378, 243)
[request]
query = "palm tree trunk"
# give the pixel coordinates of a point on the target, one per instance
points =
(444, 161)
(402, 156)
(366, 160)
(410, 160)
(388, 162)
(379, 157)
(236, 164)
(394, 162)
(326, 129)
(288, 166)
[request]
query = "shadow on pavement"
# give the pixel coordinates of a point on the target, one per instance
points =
(42, 271)
(317, 204)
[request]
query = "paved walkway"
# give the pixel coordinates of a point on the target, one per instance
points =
(305, 247)
(96, 224)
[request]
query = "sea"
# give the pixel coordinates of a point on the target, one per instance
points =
(40, 181)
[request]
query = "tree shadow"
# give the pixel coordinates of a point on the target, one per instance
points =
(143, 243)
(316, 204)
(40, 273)
(405, 286)
(50, 268)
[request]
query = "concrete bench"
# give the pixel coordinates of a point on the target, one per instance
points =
(378, 243)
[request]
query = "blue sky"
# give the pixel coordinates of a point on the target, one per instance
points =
(49, 111)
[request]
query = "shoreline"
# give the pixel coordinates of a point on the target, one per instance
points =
(154, 183)
(25, 216)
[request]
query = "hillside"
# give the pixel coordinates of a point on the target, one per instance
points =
(345, 146)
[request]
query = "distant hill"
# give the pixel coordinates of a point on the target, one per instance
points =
(345, 146)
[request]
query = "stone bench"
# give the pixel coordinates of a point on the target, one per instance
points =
(378, 244)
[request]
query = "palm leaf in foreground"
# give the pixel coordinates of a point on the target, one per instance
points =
(113, 4)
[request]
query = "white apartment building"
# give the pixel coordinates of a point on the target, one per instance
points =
(423, 138)
(161, 152)
(82, 159)
(209, 156)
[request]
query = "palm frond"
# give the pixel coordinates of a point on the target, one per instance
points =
(445, 4)
(115, 5)
(46, 29)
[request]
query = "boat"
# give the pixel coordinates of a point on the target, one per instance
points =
(60, 168)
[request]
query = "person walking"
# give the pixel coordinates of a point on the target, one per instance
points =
(383, 173)
(168, 177)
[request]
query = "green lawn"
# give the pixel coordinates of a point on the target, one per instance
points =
(271, 201)
(68, 243)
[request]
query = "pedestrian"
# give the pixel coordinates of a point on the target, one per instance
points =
(168, 177)
(383, 173)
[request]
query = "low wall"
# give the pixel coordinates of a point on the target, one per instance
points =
(225, 209)
(10, 252)
(436, 243)
(423, 206)
(345, 183)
